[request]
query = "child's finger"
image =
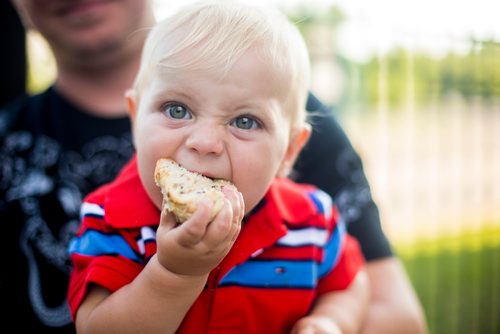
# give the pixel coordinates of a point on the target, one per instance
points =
(193, 230)
(237, 203)
(224, 229)
(167, 220)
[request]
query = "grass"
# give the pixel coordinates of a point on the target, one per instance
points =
(458, 281)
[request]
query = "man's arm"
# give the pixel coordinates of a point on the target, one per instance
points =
(394, 306)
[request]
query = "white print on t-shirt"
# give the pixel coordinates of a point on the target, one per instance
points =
(351, 199)
(35, 170)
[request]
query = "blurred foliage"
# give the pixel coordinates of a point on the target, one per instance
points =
(423, 77)
(41, 63)
(404, 76)
(306, 17)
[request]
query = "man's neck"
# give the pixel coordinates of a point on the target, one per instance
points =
(99, 89)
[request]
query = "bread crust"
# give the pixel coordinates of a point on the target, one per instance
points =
(183, 189)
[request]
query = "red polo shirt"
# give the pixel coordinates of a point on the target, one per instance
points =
(292, 248)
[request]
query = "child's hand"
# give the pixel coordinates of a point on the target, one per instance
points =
(315, 325)
(196, 246)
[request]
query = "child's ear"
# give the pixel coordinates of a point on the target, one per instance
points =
(298, 139)
(131, 97)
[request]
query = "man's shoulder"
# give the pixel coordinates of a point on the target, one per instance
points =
(23, 112)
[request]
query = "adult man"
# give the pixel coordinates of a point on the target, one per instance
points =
(58, 146)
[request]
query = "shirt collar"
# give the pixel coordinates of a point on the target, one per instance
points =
(127, 204)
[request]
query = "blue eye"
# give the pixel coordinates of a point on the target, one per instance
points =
(245, 123)
(176, 111)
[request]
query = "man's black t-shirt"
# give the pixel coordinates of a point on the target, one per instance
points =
(52, 154)
(13, 56)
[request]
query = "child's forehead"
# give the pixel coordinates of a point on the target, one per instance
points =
(235, 84)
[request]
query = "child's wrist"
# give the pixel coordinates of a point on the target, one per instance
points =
(158, 274)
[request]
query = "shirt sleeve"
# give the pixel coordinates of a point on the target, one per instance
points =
(348, 264)
(100, 255)
(102, 271)
(337, 169)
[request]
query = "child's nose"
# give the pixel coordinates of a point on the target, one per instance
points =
(206, 139)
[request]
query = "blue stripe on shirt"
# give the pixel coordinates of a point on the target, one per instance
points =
(323, 202)
(95, 243)
(272, 274)
(287, 273)
(333, 249)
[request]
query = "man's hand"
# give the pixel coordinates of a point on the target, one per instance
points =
(316, 325)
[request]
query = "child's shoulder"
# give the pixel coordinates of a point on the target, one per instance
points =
(291, 190)
(299, 202)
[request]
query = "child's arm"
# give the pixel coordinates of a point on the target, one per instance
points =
(338, 312)
(157, 300)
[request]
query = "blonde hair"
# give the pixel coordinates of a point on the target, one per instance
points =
(212, 35)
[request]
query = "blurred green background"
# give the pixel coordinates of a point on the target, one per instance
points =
(424, 113)
(422, 107)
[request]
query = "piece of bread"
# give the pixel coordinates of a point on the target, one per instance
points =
(183, 189)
